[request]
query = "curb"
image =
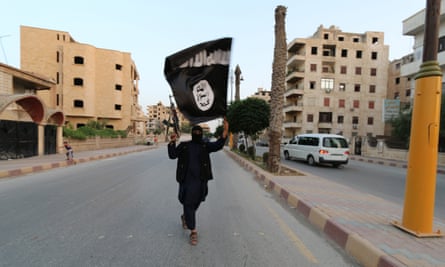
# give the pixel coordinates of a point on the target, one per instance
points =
(359, 248)
(398, 164)
(48, 166)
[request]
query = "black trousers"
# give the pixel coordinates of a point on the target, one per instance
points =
(190, 215)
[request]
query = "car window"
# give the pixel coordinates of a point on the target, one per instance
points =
(336, 142)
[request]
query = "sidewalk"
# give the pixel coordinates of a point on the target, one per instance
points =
(359, 223)
(15, 167)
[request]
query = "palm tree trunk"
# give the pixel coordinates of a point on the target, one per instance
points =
(277, 90)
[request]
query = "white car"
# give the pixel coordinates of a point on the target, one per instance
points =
(318, 149)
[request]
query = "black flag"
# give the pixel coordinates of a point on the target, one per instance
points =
(198, 78)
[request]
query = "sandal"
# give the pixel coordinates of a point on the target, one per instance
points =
(184, 224)
(194, 238)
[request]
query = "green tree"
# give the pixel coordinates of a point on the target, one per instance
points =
(401, 129)
(249, 116)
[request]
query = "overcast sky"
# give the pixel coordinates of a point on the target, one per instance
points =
(152, 30)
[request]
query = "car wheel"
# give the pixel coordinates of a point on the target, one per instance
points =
(286, 155)
(311, 160)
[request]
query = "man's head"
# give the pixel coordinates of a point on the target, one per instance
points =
(196, 133)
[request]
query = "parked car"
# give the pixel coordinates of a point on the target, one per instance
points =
(318, 149)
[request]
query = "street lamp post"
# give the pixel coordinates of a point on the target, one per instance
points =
(418, 211)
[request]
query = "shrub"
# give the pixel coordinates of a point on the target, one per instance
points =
(251, 152)
(242, 148)
(265, 157)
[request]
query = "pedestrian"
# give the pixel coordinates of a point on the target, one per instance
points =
(193, 172)
(69, 151)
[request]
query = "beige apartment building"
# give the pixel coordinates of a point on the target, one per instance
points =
(91, 83)
(159, 113)
(336, 83)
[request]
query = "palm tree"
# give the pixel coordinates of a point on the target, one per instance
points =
(277, 90)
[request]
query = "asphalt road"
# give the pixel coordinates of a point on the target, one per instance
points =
(383, 181)
(123, 211)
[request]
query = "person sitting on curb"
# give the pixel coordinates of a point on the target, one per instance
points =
(69, 151)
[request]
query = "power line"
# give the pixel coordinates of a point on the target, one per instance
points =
(3, 49)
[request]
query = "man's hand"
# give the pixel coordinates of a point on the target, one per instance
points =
(173, 137)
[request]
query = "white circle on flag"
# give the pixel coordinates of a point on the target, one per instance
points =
(203, 94)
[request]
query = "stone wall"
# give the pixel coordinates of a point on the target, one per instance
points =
(384, 152)
(96, 143)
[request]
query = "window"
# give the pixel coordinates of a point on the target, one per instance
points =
(118, 67)
(340, 119)
(358, 70)
(408, 92)
(57, 56)
(313, 67)
(117, 107)
(341, 38)
(341, 103)
(78, 81)
(355, 120)
(118, 87)
(396, 95)
(373, 72)
(370, 120)
(372, 88)
(356, 40)
(311, 85)
(325, 117)
(326, 36)
(356, 103)
(57, 77)
(397, 80)
(314, 50)
(327, 84)
(357, 87)
(358, 54)
(371, 104)
(343, 69)
(342, 87)
(344, 53)
(78, 60)
(326, 102)
(310, 118)
(375, 40)
(78, 103)
(374, 55)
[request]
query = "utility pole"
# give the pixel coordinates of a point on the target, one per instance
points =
(3, 49)
(418, 211)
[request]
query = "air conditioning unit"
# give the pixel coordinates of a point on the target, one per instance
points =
(351, 109)
(355, 126)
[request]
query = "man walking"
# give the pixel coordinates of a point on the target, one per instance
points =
(193, 172)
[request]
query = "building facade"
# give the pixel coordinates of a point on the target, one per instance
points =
(91, 83)
(415, 26)
(336, 83)
(159, 114)
(29, 125)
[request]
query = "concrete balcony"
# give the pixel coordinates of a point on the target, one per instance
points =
(294, 76)
(295, 61)
(293, 92)
(292, 124)
(292, 108)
